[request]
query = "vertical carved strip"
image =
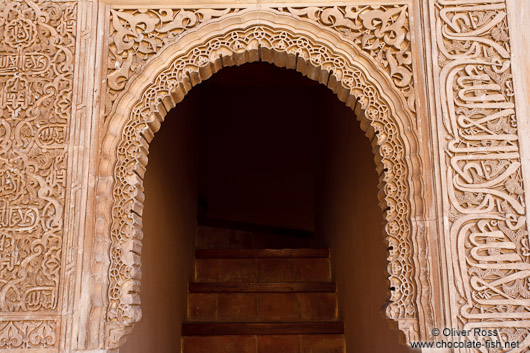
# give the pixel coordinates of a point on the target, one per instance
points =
(486, 227)
(37, 48)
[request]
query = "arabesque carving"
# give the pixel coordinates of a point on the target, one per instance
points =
(489, 247)
(153, 57)
(381, 31)
(285, 48)
(137, 35)
(37, 48)
(28, 334)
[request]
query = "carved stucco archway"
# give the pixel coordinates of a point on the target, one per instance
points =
(60, 61)
(286, 41)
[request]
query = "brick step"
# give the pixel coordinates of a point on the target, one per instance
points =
(260, 253)
(222, 287)
(264, 307)
(263, 343)
(260, 328)
(263, 270)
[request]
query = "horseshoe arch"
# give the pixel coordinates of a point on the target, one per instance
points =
(285, 41)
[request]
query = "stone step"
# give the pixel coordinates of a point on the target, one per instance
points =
(262, 301)
(262, 307)
(265, 343)
(263, 269)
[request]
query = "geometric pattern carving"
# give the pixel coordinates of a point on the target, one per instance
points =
(37, 46)
(236, 46)
(488, 244)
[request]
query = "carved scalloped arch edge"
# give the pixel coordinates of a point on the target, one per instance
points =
(138, 87)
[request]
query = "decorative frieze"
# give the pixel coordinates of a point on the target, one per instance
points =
(137, 35)
(381, 31)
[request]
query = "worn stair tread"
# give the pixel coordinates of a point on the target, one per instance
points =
(272, 328)
(260, 253)
(284, 287)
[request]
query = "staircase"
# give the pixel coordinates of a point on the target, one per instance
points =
(246, 300)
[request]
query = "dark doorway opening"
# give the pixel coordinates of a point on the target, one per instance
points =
(263, 146)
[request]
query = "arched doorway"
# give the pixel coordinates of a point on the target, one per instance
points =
(263, 146)
(465, 178)
(139, 113)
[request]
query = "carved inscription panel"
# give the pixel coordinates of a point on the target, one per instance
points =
(37, 47)
(488, 246)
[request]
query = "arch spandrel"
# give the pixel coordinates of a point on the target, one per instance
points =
(285, 41)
